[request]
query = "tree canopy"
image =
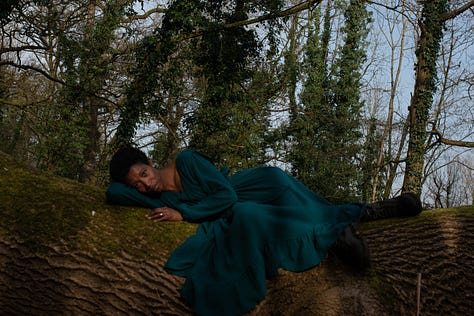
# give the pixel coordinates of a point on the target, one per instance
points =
(322, 89)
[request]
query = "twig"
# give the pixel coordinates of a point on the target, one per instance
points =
(418, 295)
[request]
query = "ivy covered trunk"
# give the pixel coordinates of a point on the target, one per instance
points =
(431, 33)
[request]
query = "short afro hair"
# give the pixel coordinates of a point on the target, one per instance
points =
(123, 159)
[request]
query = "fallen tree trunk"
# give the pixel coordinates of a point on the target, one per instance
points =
(58, 281)
(420, 266)
(64, 251)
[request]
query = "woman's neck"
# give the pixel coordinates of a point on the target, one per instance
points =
(171, 178)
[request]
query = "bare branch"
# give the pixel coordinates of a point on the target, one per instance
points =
(20, 48)
(383, 5)
(144, 15)
(451, 142)
(29, 67)
(454, 13)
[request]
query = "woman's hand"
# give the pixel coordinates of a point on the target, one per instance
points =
(164, 214)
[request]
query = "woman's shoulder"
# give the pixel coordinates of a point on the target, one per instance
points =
(191, 154)
(267, 173)
(186, 153)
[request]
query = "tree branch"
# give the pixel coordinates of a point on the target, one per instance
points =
(292, 10)
(20, 48)
(451, 142)
(454, 13)
(29, 67)
(144, 15)
(456, 143)
(21, 106)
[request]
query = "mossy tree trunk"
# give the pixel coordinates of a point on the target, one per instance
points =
(431, 32)
(63, 251)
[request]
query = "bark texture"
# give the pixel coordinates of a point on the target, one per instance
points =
(60, 282)
(63, 251)
(438, 245)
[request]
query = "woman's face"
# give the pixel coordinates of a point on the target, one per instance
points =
(144, 178)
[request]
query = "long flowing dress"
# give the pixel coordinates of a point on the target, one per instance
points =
(250, 225)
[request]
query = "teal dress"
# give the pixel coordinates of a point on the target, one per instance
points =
(250, 225)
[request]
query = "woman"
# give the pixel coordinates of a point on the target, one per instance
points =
(250, 224)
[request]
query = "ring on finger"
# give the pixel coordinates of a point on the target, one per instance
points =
(161, 214)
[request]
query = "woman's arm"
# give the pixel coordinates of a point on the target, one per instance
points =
(122, 194)
(215, 190)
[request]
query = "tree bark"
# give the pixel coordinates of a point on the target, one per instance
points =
(438, 245)
(61, 282)
(63, 251)
(431, 24)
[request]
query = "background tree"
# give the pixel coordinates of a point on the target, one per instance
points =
(231, 79)
(224, 119)
(328, 137)
(307, 127)
(432, 21)
(431, 28)
(86, 63)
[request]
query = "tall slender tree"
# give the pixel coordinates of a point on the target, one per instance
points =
(328, 142)
(434, 14)
(87, 66)
(431, 31)
(307, 129)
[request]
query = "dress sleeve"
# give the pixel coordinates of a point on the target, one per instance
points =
(209, 189)
(122, 194)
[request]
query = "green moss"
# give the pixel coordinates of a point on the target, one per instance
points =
(40, 209)
(435, 214)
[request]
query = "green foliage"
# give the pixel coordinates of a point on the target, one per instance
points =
(228, 124)
(63, 140)
(162, 65)
(224, 118)
(11, 124)
(8, 6)
(368, 165)
(58, 124)
(6, 135)
(325, 130)
(163, 70)
(72, 148)
(307, 129)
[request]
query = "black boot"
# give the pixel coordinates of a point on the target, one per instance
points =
(406, 204)
(352, 250)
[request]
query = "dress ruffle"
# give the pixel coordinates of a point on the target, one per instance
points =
(229, 273)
